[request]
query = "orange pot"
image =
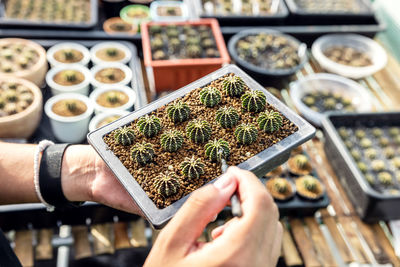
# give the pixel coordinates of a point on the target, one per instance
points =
(173, 74)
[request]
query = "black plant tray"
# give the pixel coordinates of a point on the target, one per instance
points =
(41, 24)
(371, 205)
(258, 164)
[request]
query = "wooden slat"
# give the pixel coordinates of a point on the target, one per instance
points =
(138, 235)
(24, 247)
(121, 238)
(44, 249)
(289, 251)
(386, 245)
(82, 248)
(102, 238)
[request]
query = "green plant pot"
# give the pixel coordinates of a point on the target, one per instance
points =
(135, 14)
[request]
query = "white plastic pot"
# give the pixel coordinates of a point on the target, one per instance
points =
(122, 88)
(81, 88)
(366, 45)
(69, 129)
(124, 68)
(68, 45)
(93, 125)
(105, 45)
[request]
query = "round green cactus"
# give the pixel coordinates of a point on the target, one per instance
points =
(217, 149)
(149, 125)
(227, 117)
(310, 183)
(192, 168)
(142, 153)
(246, 134)
(112, 97)
(280, 185)
(270, 121)
(385, 178)
(178, 111)
(124, 136)
(167, 184)
(233, 85)
(172, 140)
(254, 101)
(301, 161)
(198, 131)
(210, 96)
(11, 96)
(70, 75)
(193, 51)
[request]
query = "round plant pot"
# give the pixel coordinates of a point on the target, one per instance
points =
(96, 120)
(36, 72)
(122, 88)
(124, 14)
(81, 88)
(68, 45)
(24, 123)
(109, 26)
(69, 129)
(124, 68)
(106, 45)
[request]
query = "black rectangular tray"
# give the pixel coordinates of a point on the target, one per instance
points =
(41, 24)
(369, 204)
(258, 164)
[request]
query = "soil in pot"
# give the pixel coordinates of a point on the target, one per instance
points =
(69, 77)
(112, 99)
(309, 187)
(322, 101)
(110, 75)
(166, 11)
(69, 107)
(107, 120)
(163, 178)
(110, 54)
(14, 98)
(280, 188)
(17, 57)
(121, 26)
(348, 56)
(68, 56)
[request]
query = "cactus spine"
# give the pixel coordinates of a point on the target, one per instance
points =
(172, 140)
(310, 183)
(246, 134)
(210, 96)
(270, 121)
(167, 184)
(280, 185)
(149, 125)
(198, 131)
(142, 153)
(227, 117)
(301, 161)
(192, 168)
(178, 111)
(254, 101)
(124, 136)
(233, 85)
(217, 149)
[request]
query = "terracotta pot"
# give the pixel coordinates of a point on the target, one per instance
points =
(24, 123)
(38, 71)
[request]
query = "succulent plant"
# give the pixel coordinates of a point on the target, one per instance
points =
(157, 43)
(384, 142)
(389, 152)
(124, 136)
(171, 140)
(71, 105)
(192, 168)
(270, 121)
(329, 103)
(198, 131)
(70, 75)
(394, 131)
(112, 97)
(371, 153)
(370, 178)
(227, 117)
(310, 183)
(378, 165)
(112, 52)
(343, 132)
(281, 185)
(193, 51)
(159, 55)
(246, 134)
(385, 178)
(355, 154)
(233, 85)
(253, 101)
(362, 167)
(365, 143)
(301, 161)
(192, 41)
(210, 96)
(11, 95)
(217, 149)
(377, 132)
(167, 184)
(308, 100)
(142, 153)
(2, 102)
(178, 111)
(149, 126)
(396, 162)
(360, 133)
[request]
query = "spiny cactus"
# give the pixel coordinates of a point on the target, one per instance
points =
(227, 117)
(301, 161)
(112, 97)
(149, 126)
(142, 153)
(192, 168)
(217, 149)
(198, 131)
(178, 111)
(193, 51)
(210, 96)
(253, 101)
(112, 52)
(280, 185)
(70, 75)
(385, 178)
(68, 54)
(167, 184)
(246, 134)
(172, 140)
(71, 105)
(310, 183)
(233, 85)
(270, 121)
(124, 136)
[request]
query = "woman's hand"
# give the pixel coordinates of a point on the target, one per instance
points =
(251, 240)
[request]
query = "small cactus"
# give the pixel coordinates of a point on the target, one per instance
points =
(362, 167)
(193, 51)
(192, 168)
(217, 149)
(112, 52)
(149, 126)
(142, 153)
(198, 131)
(227, 117)
(71, 105)
(233, 86)
(253, 101)
(124, 136)
(70, 75)
(301, 161)
(68, 54)
(172, 140)
(11, 95)
(385, 178)
(270, 121)
(178, 111)
(246, 134)
(310, 183)
(280, 185)
(112, 97)
(210, 96)
(167, 184)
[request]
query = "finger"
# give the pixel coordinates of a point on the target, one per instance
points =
(218, 231)
(277, 244)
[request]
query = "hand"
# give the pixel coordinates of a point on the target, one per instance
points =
(251, 240)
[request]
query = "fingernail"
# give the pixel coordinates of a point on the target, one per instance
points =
(223, 182)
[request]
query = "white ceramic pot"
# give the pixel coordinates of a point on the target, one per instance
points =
(68, 45)
(122, 88)
(124, 68)
(93, 125)
(104, 45)
(69, 129)
(81, 88)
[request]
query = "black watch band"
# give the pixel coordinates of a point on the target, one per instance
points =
(50, 177)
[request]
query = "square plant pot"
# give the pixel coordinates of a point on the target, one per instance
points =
(173, 73)
(294, 131)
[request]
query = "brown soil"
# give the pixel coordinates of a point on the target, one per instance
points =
(145, 175)
(107, 120)
(297, 171)
(277, 195)
(103, 55)
(169, 11)
(60, 108)
(60, 56)
(348, 56)
(101, 75)
(308, 194)
(103, 101)
(121, 27)
(60, 78)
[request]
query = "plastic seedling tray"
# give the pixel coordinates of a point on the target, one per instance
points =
(370, 204)
(259, 164)
(48, 24)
